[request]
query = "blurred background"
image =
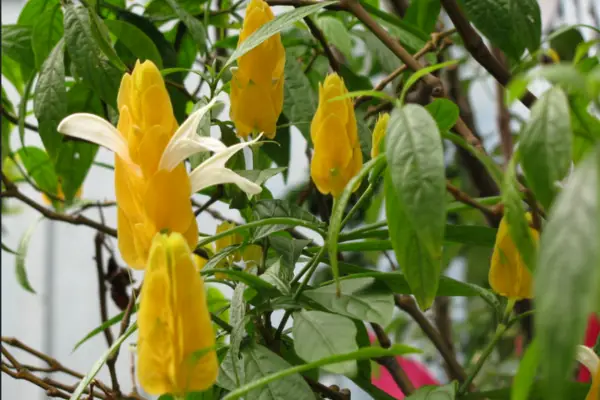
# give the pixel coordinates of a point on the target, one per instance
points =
(60, 260)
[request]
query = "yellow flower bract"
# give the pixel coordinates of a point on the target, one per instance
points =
(508, 274)
(156, 199)
(257, 85)
(337, 156)
(594, 393)
(379, 134)
(176, 339)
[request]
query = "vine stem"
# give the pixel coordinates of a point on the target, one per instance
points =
(500, 331)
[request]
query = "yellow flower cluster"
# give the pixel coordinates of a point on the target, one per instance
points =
(508, 274)
(337, 156)
(257, 84)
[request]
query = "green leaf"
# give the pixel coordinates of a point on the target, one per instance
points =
(336, 34)
(16, 44)
(11, 70)
(279, 209)
(526, 373)
(446, 392)
(20, 269)
(259, 363)
(289, 249)
(260, 176)
(135, 40)
(387, 59)
(32, 10)
(262, 355)
(297, 86)
(272, 27)
(567, 278)
(359, 298)
(279, 276)
(230, 378)
(278, 149)
(415, 191)
(89, 377)
(545, 145)
(241, 276)
(421, 73)
(195, 27)
(99, 329)
(319, 334)
(445, 112)
(46, 33)
(337, 215)
(514, 212)
(39, 168)
(512, 25)
(88, 60)
(423, 14)
(50, 100)
(565, 43)
(565, 75)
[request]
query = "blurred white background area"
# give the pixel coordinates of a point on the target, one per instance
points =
(60, 260)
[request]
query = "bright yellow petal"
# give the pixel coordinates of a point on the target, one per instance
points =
(126, 240)
(594, 393)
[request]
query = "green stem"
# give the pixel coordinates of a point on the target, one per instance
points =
(500, 330)
(267, 221)
(365, 196)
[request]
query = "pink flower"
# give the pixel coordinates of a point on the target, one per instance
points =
(417, 374)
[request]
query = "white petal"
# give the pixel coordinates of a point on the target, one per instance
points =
(201, 179)
(219, 159)
(94, 129)
(587, 357)
(173, 153)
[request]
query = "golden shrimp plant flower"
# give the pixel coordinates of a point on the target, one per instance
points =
(152, 186)
(379, 134)
(257, 84)
(508, 274)
(176, 342)
(337, 156)
(591, 361)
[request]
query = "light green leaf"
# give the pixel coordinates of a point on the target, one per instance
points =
(526, 373)
(264, 209)
(512, 25)
(195, 27)
(261, 363)
(135, 40)
(319, 334)
(230, 378)
(16, 44)
(39, 168)
(545, 145)
(445, 113)
(567, 278)
(279, 276)
(33, 9)
(237, 314)
(446, 392)
(88, 60)
(296, 86)
(423, 14)
(50, 100)
(47, 31)
(514, 212)
(89, 377)
(358, 298)
(565, 75)
(421, 73)
(20, 269)
(269, 29)
(99, 329)
(416, 197)
(262, 354)
(336, 34)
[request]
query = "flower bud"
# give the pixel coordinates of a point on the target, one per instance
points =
(379, 134)
(337, 156)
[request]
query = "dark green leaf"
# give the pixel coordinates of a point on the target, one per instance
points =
(359, 298)
(545, 145)
(88, 60)
(512, 25)
(33, 9)
(278, 208)
(445, 113)
(289, 249)
(567, 278)
(423, 14)
(565, 43)
(16, 44)
(135, 40)
(279, 276)
(297, 86)
(319, 334)
(195, 27)
(415, 197)
(50, 100)
(11, 70)
(279, 148)
(47, 31)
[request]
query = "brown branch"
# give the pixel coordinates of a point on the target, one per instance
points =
(331, 392)
(429, 46)
(477, 48)
(13, 192)
(443, 324)
(468, 200)
(316, 32)
(503, 114)
(391, 364)
(15, 120)
(408, 304)
(24, 374)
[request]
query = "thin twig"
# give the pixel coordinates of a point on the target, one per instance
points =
(15, 120)
(391, 363)
(503, 114)
(316, 32)
(468, 200)
(475, 45)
